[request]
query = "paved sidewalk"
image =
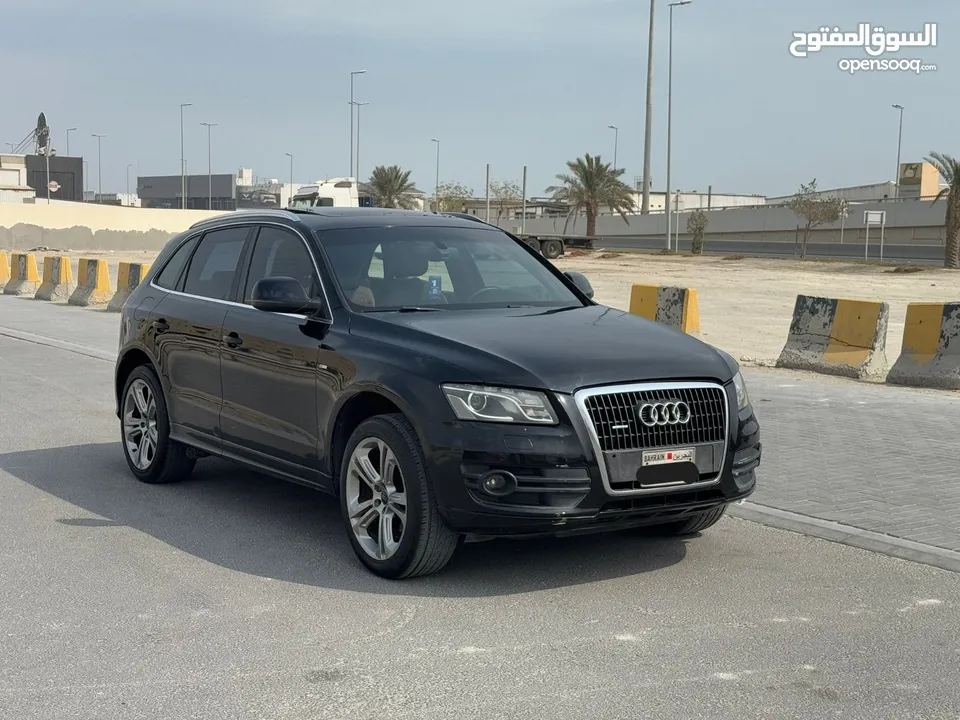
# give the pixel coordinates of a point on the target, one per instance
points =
(874, 457)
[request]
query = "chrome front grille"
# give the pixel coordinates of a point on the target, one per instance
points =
(617, 425)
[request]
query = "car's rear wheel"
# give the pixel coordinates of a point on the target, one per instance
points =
(152, 456)
(689, 526)
(388, 504)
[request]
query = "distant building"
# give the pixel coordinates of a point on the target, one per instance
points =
(13, 179)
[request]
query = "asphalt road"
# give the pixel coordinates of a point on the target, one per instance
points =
(906, 254)
(236, 596)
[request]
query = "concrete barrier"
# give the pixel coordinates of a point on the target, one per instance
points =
(93, 283)
(674, 306)
(57, 284)
(4, 268)
(837, 337)
(129, 277)
(930, 354)
(24, 277)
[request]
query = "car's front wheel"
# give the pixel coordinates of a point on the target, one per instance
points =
(387, 503)
(152, 456)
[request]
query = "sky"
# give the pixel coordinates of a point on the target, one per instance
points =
(511, 83)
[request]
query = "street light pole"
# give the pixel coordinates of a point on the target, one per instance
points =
(99, 168)
(183, 175)
(357, 168)
(436, 191)
(616, 143)
(209, 166)
(645, 203)
(290, 155)
(670, 116)
(129, 165)
(353, 74)
(899, 141)
(69, 130)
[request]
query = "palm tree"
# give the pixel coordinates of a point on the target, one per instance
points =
(949, 169)
(590, 184)
(391, 187)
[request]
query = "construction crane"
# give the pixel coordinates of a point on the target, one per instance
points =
(39, 137)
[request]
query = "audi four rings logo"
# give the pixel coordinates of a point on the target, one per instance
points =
(664, 413)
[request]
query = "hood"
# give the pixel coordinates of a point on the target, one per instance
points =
(553, 349)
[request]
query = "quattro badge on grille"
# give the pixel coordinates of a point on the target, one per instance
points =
(673, 412)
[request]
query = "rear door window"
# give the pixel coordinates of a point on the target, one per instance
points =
(170, 276)
(213, 268)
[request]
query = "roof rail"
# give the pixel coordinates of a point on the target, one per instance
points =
(288, 214)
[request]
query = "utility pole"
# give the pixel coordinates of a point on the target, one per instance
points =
(899, 142)
(183, 167)
(99, 168)
(209, 165)
(616, 144)
(69, 130)
(669, 205)
(645, 203)
(352, 75)
(436, 191)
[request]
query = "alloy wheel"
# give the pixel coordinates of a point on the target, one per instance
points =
(140, 434)
(376, 498)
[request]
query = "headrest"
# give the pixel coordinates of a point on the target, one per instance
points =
(404, 259)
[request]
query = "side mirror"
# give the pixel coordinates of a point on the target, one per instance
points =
(580, 280)
(279, 295)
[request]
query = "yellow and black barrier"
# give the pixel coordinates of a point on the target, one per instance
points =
(674, 306)
(837, 337)
(24, 276)
(93, 283)
(57, 282)
(930, 353)
(129, 278)
(4, 268)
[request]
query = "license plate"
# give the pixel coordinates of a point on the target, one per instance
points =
(666, 457)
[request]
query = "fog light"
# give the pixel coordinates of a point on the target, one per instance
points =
(498, 483)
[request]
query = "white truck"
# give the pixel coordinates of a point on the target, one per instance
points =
(334, 192)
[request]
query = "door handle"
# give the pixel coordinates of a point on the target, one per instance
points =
(161, 326)
(232, 340)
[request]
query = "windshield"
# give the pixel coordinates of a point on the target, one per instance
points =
(439, 268)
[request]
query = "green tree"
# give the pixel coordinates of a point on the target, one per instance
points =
(590, 184)
(697, 227)
(391, 187)
(814, 210)
(453, 197)
(504, 194)
(949, 169)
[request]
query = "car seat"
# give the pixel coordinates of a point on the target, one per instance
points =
(404, 265)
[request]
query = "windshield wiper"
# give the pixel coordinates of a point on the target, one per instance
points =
(413, 309)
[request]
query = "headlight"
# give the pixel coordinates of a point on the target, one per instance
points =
(742, 398)
(493, 404)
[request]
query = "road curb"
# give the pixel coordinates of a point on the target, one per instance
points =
(849, 535)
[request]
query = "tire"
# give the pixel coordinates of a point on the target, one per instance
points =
(425, 544)
(552, 249)
(534, 245)
(169, 461)
(690, 526)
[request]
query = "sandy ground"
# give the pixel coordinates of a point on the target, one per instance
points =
(745, 305)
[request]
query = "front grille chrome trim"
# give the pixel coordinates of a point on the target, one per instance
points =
(580, 398)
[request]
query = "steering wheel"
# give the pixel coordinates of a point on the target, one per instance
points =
(481, 291)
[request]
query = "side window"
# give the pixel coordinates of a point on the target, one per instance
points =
(214, 264)
(281, 253)
(170, 275)
(376, 264)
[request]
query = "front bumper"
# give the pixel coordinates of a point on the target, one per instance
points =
(561, 487)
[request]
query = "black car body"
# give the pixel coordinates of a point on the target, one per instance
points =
(322, 347)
